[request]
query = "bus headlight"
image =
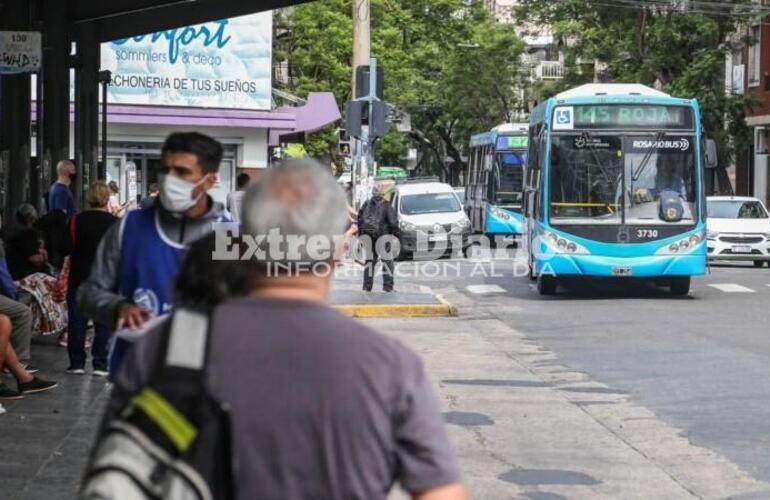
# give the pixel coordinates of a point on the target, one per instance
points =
(561, 244)
(682, 245)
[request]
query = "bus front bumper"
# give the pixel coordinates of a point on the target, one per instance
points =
(633, 267)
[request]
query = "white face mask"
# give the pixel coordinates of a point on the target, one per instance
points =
(176, 194)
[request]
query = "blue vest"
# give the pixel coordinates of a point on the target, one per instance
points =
(149, 262)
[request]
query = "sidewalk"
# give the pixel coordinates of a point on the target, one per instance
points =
(408, 300)
(525, 426)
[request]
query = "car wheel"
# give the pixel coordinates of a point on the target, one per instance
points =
(546, 285)
(680, 286)
(759, 263)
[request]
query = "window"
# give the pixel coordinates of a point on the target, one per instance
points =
(755, 55)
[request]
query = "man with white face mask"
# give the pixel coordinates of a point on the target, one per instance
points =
(139, 258)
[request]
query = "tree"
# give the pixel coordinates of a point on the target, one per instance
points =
(677, 47)
(446, 62)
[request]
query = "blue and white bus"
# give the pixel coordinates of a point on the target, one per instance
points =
(495, 180)
(615, 187)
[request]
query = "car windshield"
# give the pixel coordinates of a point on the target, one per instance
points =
(510, 177)
(736, 209)
(636, 179)
(432, 203)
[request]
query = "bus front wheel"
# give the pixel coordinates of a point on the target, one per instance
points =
(546, 284)
(680, 286)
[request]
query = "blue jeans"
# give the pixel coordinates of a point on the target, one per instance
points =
(76, 337)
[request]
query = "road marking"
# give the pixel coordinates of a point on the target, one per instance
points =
(484, 289)
(425, 289)
(732, 288)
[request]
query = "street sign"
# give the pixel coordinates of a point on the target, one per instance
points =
(20, 52)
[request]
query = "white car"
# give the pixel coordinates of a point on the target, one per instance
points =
(738, 229)
(429, 214)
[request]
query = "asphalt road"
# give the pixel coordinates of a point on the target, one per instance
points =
(700, 363)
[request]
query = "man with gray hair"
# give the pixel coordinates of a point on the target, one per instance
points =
(60, 196)
(320, 405)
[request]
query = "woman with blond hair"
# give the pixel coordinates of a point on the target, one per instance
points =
(86, 231)
(113, 204)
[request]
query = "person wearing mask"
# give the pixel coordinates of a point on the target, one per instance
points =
(333, 409)
(377, 218)
(86, 231)
(139, 258)
(234, 198)
(152, 194)
(60, 196)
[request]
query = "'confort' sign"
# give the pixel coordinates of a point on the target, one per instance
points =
(222, 64)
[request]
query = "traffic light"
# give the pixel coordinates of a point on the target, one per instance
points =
(362, 82)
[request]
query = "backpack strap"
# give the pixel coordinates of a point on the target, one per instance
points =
(175, 393)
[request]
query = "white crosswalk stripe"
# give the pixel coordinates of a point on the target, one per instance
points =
(484, 289)
(732, 288)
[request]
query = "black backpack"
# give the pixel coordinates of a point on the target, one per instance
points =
(370, 218)
(172, 441)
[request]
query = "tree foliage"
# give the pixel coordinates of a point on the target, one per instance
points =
(447, 63)
(673, 48)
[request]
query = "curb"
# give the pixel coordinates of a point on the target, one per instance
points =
(399, 310)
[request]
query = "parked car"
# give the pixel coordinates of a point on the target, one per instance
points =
(430, 214)
(738, 229)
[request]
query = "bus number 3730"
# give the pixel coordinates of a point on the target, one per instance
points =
(647, 234)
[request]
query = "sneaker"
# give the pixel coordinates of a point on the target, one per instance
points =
(30, 369)
(63, 340)
(100, 373)
(36, 385)
(8, 393)
(2, 410)
(75, 371)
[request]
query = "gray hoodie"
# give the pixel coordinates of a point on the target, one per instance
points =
(98, 296)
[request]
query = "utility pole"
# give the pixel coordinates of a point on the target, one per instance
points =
(361, 55)
(361, 37)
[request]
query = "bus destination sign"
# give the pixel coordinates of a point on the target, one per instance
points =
(513, 142)
(623, 116)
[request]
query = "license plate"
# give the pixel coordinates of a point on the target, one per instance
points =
(622, 271)
(438, 237)
(741, 249)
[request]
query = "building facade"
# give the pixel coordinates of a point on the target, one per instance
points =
(747, 71)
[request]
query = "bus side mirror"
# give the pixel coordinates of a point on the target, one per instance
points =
(712, 158)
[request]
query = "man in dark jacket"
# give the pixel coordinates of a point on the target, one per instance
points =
(377, 219)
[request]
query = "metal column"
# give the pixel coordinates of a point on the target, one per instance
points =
(15, 118)
(86, 107)
(56, 89)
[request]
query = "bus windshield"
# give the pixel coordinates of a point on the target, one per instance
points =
(510, 177)
(623, 179)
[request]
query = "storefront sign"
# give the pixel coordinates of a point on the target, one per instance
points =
(20, 52)
(221, 64)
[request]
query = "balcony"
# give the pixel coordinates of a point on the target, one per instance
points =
(548, 70)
